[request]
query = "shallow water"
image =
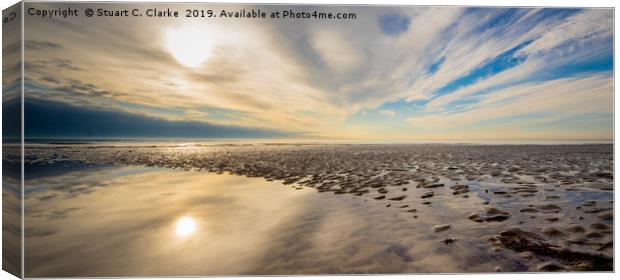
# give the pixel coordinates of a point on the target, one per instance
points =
(121, 221)
(103, 219)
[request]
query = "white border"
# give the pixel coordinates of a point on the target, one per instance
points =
(488, 276)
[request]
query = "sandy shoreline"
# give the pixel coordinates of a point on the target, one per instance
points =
(547, 208)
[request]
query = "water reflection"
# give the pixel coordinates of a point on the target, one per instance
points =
(136, 221)
(131, 221)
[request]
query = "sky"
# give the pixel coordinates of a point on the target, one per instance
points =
(391, 74)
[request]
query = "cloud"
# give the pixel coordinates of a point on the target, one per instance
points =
(582, 28)
(533, 103)
(316, 77)
(34, 45)
(47, 119)
(337, 52)
(389, 113)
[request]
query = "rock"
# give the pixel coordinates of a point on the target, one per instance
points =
(440, 228)
(379, 197)
(427, 195)
(412, 210)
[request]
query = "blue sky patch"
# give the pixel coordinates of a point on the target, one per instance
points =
(394, 23)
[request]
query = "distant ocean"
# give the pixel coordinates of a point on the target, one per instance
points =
(221, 141)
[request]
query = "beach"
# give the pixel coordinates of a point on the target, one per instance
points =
(283, 208)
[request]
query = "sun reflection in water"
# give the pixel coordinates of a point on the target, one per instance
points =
(185, 226)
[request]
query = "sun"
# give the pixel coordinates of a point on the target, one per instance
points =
(189, 45)
(185, 226)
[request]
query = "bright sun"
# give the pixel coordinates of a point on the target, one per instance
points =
(185, 226)
(190, 46)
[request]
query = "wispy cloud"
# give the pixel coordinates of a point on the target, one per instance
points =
(556, 99)
(388, 113)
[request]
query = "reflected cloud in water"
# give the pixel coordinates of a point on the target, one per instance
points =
(131, 221)
(134, 221)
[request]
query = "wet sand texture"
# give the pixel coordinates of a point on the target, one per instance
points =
(543, 207)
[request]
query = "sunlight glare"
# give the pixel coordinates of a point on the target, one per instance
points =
(190, 46)
(185, 226)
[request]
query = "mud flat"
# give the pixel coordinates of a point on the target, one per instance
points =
(514, 207)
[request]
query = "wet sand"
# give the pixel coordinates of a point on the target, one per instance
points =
(318, 209)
